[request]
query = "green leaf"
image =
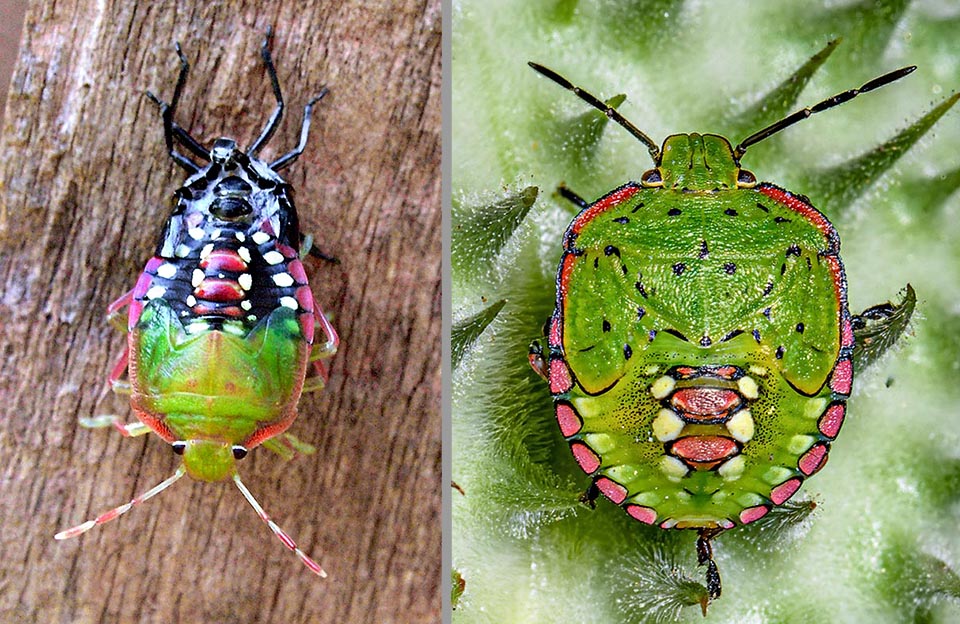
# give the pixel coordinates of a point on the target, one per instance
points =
(781, 100)
(464, 333)
(479, 233)
(839, 186)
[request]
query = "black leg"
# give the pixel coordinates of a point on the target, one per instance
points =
(277, 114)
(290, 157)
(313, 250)
(705, 557)
(591, 495)
(572, 197)
(170, 128)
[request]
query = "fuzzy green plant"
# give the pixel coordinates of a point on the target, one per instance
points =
(876, 535)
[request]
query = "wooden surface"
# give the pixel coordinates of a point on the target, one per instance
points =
(86, 187)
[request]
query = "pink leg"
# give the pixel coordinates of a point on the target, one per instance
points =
(328, 348)
(320, 351)
(114, 311)
(116, 379)
(127, 430)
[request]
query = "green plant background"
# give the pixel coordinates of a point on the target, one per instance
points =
(881, 543)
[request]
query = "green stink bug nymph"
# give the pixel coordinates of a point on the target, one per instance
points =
(223, 332)
(700, 354)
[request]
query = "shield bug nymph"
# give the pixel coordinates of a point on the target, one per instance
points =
(700, 353)
(224, 333)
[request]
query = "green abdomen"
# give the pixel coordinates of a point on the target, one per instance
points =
(216, 382)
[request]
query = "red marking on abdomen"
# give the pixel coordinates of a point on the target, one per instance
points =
(750, 514)
(295, 269)
(568, 419)
(645, 515)
(223, 260)
(612, 490)
(588, 460)
(219, 290)
(704, 449)
(554, 338)
(814, 459)
(288, 252)
(704, 403)
(831, 420)
(560, 380)
(727, 372)
(785, 490)
(842, 378)
(846, 334)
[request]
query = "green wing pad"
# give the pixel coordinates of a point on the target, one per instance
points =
(705, 268)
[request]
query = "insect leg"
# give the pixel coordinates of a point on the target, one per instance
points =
(318, 373)
(287, 446)
(705, 557)
(308, 248)
(170, 128)
(127, 430)
(565, 192)
(119, 375)
(591, 495)
(116, 315)
(290, 157)
(537, 359)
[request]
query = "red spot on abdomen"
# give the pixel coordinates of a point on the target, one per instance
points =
(831, 420)
(612, 490)
(568, 419)
(704, 403)
(560, 380)
(842, 378)
(588, 460)
(814, 459)
(219, 290)
(645, 515)
(223, 260)
(704, 449)
(785, 490)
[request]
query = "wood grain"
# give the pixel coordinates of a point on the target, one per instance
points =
(86, 186)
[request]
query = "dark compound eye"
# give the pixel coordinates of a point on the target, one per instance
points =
(651, 177)
(179, 447)
(746, 178)
(239, 452)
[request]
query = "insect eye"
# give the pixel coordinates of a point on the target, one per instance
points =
(746, 178)
(651, 177)
(179, 447)
(239, 452)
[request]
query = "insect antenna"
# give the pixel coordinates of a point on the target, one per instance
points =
(277, 114)
(280, 533)
(830, 102)
(122, 509)
(607, 110)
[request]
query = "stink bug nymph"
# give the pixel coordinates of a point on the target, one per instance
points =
(224, 333)
(700, 351)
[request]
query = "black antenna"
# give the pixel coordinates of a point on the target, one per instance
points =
(595, 102)
(830, 102)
